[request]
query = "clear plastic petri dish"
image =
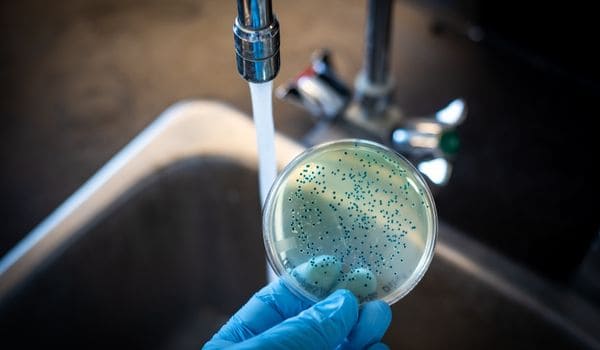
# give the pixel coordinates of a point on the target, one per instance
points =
(350, 214)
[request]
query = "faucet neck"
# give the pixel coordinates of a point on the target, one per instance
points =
(255, 14)
(377, 42)
(374, 84)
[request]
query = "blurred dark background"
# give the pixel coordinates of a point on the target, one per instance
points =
(81, 78)
(529, 148)
(558, 36)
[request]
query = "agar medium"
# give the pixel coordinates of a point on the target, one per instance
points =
(350, 214)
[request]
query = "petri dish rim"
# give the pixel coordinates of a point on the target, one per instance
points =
(269, 207)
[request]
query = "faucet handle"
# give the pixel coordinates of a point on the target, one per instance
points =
(418, 135)
(431, 142)
(317, 88)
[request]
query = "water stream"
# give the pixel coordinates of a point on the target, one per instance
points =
(262, 111)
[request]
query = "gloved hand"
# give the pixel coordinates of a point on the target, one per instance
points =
(275, 318)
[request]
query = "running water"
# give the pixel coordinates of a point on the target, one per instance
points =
(262, 111)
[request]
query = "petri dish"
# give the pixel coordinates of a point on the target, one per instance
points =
(350, 214)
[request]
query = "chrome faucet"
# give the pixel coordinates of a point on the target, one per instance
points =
(256, 35)
(368, 111)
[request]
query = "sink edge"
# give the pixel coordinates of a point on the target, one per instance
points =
(181, 132)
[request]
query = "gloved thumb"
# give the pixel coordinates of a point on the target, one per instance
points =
(325, 325)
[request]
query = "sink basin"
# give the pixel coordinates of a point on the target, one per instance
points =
(164, 243)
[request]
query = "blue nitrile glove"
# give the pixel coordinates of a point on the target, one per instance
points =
(275, 318)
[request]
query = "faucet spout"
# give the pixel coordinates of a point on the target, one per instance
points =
(256, 36)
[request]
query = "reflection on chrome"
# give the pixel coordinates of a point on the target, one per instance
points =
(453, 113)
(400, 136)
(438, 170)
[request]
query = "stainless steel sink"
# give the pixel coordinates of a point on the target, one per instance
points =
(164, 243)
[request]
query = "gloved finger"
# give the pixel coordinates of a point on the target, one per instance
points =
(323, 326)
(268, 307)
(373, 321)
(319, 274)
(378, 346)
